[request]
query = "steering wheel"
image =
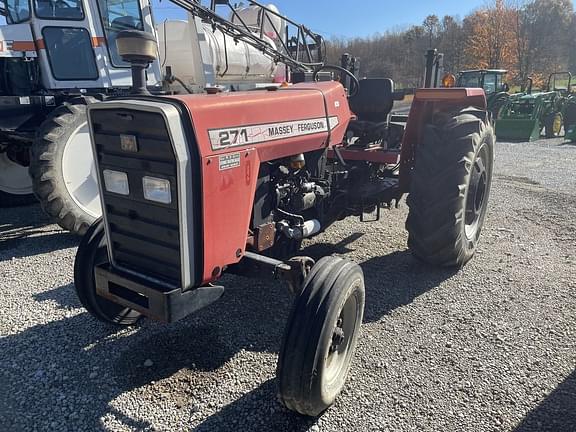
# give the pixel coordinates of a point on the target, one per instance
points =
(353, 79)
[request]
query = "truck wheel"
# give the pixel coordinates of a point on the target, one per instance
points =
(553, 125)
(62, 167)
(93, 251)
(15, 183)
(321, 336)
(450, 189)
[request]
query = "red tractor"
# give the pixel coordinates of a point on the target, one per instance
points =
(196, 186)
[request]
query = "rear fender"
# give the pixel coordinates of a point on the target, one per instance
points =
(428, 103)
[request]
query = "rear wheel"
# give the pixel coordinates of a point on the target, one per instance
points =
(450, 189)
(93, 251)
(320, 337)
(553, 125)
(497, 104)
(63, 170)
(15, 183)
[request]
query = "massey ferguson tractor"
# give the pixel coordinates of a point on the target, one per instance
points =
(58, 56)
(193, 187)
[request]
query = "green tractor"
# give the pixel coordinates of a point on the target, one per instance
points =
(570, 118)
(526, 115)
(492, 81)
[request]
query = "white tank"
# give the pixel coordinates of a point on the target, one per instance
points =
(252, 16)
(232, 62)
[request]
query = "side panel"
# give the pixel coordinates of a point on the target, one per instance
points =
(294, 106)
(16, 40)
(229, 185)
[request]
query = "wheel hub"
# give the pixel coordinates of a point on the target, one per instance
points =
(338, 336)
(337, 353)
(557, 126)
(14, 178)
(476, 195)
(79, 171)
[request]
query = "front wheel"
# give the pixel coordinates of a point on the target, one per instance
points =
(450, 187)
(321, 336)
(553, 125)
(93, 251)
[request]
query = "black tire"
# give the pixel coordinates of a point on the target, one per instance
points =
(320, 337)
(12, 200)
(570, 115)
(551, 128)
(93, 251)
(497, 105)
(453, 164)
(46, 166)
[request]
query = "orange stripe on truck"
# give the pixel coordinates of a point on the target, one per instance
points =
(23, 46)
(97, 41)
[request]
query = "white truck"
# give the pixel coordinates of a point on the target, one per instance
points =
(57, 56)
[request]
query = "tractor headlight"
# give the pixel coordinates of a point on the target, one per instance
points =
(116, 182)
(157, 189)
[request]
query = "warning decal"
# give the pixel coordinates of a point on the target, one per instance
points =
(229, 161)
(245, 135)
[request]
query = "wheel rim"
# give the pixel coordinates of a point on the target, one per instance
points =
(476, 196)
(79, 171)
(557, 125)
(14, 178)
(338, 354)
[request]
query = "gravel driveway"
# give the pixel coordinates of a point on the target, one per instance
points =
(487, 348)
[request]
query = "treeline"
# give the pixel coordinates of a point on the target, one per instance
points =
(530, 39)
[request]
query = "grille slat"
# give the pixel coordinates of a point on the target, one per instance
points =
(169, 235)
(125, 161)
(144, 265)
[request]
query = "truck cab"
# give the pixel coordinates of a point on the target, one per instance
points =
(69, 44)
(491, 80)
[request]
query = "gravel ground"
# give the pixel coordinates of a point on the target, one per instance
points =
(487, 348)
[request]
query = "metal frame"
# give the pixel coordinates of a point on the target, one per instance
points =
(244, 33)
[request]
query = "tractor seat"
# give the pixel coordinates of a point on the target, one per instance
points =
(374, 99)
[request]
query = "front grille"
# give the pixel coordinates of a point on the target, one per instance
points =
(144, 235)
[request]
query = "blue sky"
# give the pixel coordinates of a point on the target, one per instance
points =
(348, 18)
(352, 17)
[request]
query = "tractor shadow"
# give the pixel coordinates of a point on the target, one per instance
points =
(67, 373)
(27, 231)
(64, 297)
(392, 280)
(257, 410)
(557, 413)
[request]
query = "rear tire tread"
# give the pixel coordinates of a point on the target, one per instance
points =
(46, 169)
(444, 161)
